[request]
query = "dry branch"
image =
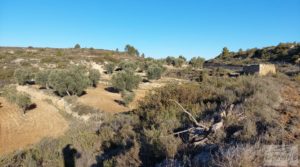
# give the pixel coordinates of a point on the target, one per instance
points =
(191, 116)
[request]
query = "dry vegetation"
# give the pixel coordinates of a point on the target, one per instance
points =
(142, 112)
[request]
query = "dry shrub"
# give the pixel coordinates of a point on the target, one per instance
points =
(161, 143)
(240, 155)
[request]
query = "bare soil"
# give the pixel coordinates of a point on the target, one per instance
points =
(109, 101)
(18, 130)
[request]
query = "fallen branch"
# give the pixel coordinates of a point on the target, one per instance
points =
(191, 116)
(183, 131)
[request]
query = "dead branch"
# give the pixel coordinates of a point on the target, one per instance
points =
(183, 131)
(191, 116)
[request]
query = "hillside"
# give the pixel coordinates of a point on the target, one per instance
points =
(93, 107)
(12, 58)
(282, 53)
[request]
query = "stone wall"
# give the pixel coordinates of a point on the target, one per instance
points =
(260, 69)
(265, 69)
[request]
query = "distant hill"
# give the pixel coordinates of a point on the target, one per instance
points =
(282, 53)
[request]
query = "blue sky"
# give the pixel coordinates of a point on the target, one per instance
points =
(158, 28)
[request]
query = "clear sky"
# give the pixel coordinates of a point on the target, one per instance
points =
(158, 28)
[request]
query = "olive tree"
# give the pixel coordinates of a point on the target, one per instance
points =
(197, 62)
(13, 96)
(125, 80)
(72, 81)
(41, 78)
(154, 72)
(131, 50)
(22, 76)
(77, 46)
(23, 101)
(109, 68)
(127, 65)
(94, 76)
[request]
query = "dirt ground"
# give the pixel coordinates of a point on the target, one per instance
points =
(107, 101)
(18, 130)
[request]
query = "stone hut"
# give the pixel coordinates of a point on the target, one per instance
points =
(260, 69)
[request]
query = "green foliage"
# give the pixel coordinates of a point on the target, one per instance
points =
(77, 46)
(154, 72)
(225, 53)
(94, 76)
(197, 62)
(13, 96)
(110, 68)
(23, 101)
(125, 80)
(72, 81)
(283, 52)
(22, 76)
(131, 50)
(41, 78)
(162, 144)
(128, 65)
(169, 60)
(59, 53)
(127, 97)
(177, 62)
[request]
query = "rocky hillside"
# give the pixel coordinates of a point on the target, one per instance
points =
(282, 53)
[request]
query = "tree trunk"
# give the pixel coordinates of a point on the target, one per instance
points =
(68, 93)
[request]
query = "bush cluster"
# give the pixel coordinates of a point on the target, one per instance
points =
(176, 62)
(197, 62)
(23, 76)
(127, 66)
(70, 81)
(154, 72)
(127, 97)
(109, 68)
(125, 80)
(20, 98)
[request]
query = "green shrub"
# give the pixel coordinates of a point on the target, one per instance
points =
(59, 53)
(109, 68)
(128, 66)
(127, 97)
(94, 76)
(23, 101)
(41, 78)
(20, 99)
(22, 76)
(131, 50)
(72, 81)
(197, 62)
(154, 72)
(125, 80)
(77, 46)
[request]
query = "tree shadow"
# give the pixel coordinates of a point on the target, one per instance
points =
(32, 106)
(120, 102)
(112, 90)
(145, 80)
(70, 154)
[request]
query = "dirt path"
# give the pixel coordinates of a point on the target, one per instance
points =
(18, 130)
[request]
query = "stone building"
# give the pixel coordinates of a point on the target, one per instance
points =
(260, 69)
